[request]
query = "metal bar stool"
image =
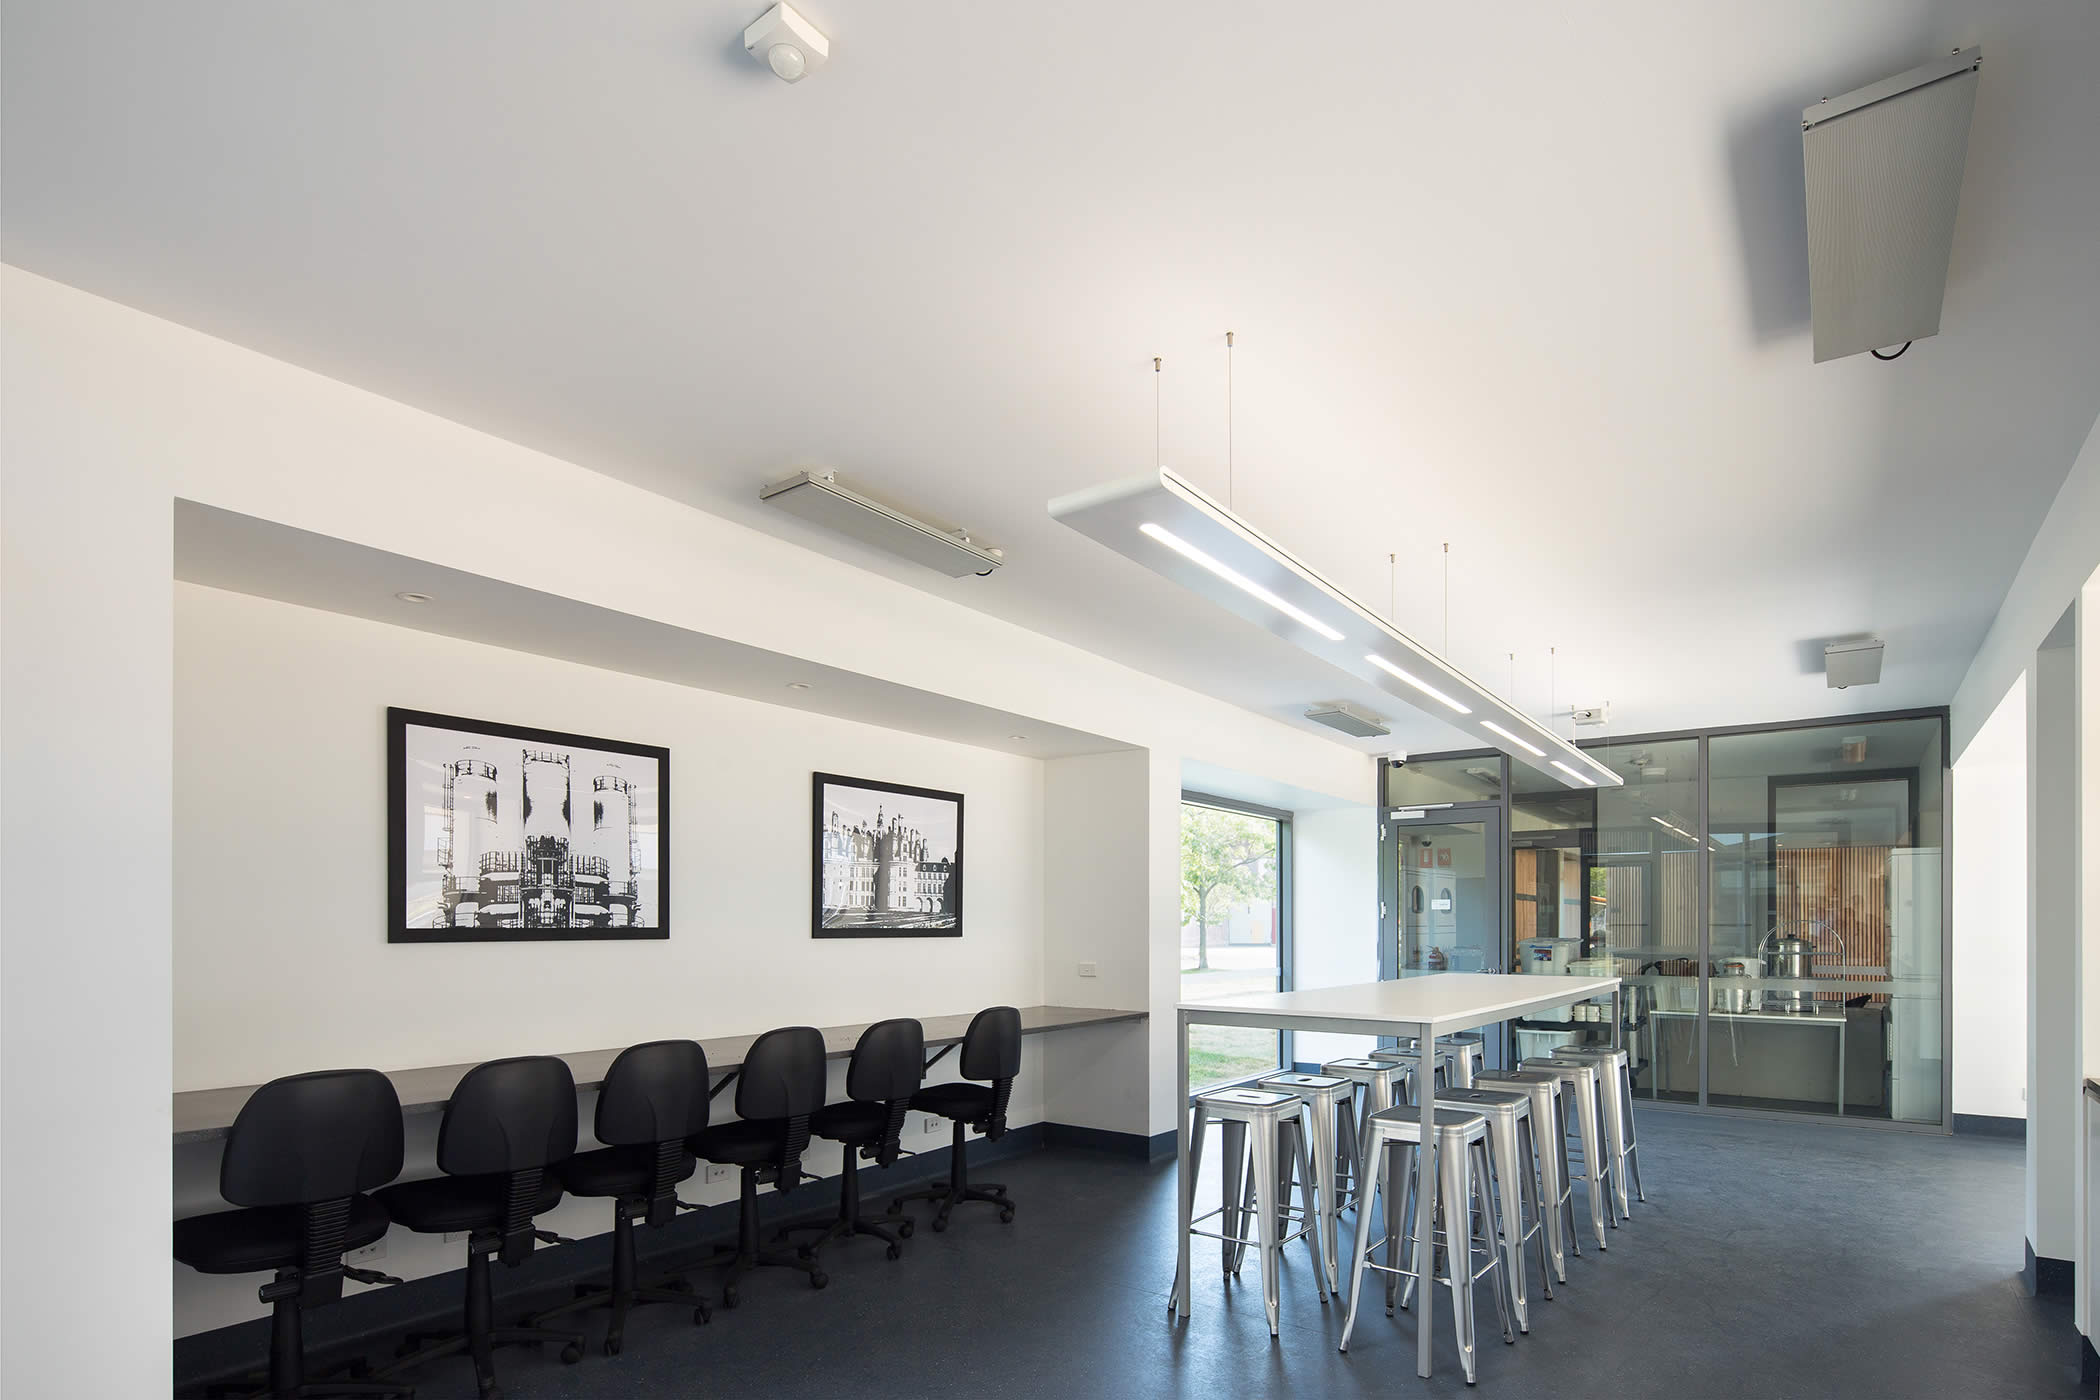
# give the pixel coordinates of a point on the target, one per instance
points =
(1267, 1123)
(1467, 1211)
(1520, 1215)
(1468, 1059)
(1550, 1135)
(1579, 1078)
(1327, 1097)
(1383, 1084)
(1615, 1099)
(1405, 1055)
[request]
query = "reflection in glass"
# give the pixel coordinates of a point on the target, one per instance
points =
(1432, 782)
(1644, 889)
(1449, 920)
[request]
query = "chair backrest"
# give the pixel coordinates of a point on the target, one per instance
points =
(991, 1049)
(315, 1137)
(782, 1079)
(889, 1064)
(655, 1095)
(516, 1118)
(314, 1141)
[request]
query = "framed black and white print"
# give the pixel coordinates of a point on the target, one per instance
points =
(888, 860)
(499, 833)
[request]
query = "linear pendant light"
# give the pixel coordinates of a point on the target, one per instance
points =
(1171, 527)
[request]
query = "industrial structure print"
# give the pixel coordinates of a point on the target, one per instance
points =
(502, 833)
(888, 860)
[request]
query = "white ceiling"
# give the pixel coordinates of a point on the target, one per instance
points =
(1528, 279)
(224, 549)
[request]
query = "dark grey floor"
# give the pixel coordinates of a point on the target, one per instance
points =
(1772, 1259)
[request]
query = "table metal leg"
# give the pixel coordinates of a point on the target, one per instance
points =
(1184, 1184)
(1425, 1203)
(1618, 1018)
(1841, 1063)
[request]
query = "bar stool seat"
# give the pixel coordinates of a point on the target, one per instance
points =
(1405, 1055)
(1462, 1194)
(1549, 1135)
(1264, 1125)
(1519, 1208)
(1327, 1097)
(1615, 1107)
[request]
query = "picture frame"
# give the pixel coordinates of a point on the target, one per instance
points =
(886, 859)
(479, 849)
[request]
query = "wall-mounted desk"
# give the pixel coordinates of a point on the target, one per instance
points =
(204, 1114)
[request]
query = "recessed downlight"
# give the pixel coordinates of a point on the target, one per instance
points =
(1414, 680)
(798, 685)
(1525, 744)
(1018, 738)
(408, 597)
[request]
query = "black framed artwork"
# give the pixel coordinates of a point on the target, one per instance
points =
(500, 833)
(886, 860)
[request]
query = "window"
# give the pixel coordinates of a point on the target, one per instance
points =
(1235, 928)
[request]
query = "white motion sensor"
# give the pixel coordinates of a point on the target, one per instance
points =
(787, 43)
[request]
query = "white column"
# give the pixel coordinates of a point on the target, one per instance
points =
(2054, 1112)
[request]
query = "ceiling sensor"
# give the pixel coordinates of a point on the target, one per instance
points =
(787, 43)
(1353, 720)
(1591, 714)
(1846, 664)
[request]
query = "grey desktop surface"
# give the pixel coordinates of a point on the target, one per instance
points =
(203, 1114)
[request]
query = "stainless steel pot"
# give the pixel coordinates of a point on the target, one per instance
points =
(1733, 987)
(1789, 956)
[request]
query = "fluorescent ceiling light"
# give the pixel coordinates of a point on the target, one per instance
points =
(1416, 681)
(1525, 744)
(1239, 580)
(1215, 554)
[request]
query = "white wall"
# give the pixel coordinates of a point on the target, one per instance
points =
(1335, 922)
(280, 786)
(1989, 975)
(111, 416)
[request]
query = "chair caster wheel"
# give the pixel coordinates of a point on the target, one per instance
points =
(819, 1279)
(907, 1227)
(895, 1251)
(939, 1224)
(680, 1285)
(612, 1346)
(701, 1315)
(494, 1392)
(730, 1297)
(1006, 1216)
(571, 1354)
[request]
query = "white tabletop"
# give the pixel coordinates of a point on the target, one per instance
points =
(1443, 1001)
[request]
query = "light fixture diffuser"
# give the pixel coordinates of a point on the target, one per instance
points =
(1168, 525)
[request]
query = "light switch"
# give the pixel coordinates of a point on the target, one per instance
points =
(1087, 969)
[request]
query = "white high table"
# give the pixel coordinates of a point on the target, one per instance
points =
(1424, 1006)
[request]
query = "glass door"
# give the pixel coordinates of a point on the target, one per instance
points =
(1445, 893)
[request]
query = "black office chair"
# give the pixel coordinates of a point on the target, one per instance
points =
(653, 1099)
(889, 1061)
(779, 1086)
(299, 1158)
(508, 1123)
(991, 1050)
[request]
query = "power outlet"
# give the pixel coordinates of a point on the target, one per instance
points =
(718, 1171)
(1087, 969)
(370, 1254)
(929, 1124)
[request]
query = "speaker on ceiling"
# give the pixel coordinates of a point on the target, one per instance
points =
(1883, 166)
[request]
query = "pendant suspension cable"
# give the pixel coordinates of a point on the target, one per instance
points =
(1155, 413)
(1392, 589)
(1447, 600)
(1512, 678)
(1553, 687)
(1228, 418)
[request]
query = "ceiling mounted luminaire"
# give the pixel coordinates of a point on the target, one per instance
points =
(1161, 521)
(824, 498)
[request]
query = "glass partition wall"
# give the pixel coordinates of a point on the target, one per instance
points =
(1773, 896)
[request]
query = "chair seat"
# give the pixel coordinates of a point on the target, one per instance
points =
(247, 1241)
(851, 1122)
(618, 1171)
(447, 1203)
(962, 1101)
(747, 1142)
